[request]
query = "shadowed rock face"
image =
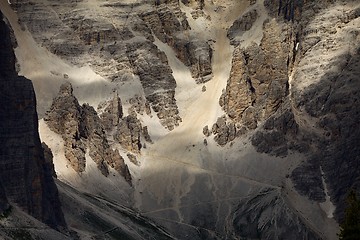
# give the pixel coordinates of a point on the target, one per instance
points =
(334, 103)
(318, 114)
(24, 174)
(271, 207)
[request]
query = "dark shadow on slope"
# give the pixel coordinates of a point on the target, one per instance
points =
(335, 102)
(103, 219)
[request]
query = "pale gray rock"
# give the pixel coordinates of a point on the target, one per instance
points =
(242, 24)
(82, 129)
(133, 159)
(139, 105)
(167, 23)
(206, 131)
(64, 118)
(128, 134)
(258, 83)
(92, 130)
(146, 135)
(116, 161)
(82, 39)
(195, 54)
(112, 113)
(152, 67)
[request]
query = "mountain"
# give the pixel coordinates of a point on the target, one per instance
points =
(25, 177)
(214, 119)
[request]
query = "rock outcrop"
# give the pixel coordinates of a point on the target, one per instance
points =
(258, 83)
(25, 177)
(82, 129)
(116, 50)
(255, 218)
(64, 118)
(325, 99)
(151, 65)
(242, 24)
(139, 105)
(112, 112)
(288, 136)
(128, 134)
(168, 24)
(306, 112)
(49, 164)
(224, 132)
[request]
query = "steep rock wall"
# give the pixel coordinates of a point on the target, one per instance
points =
(23, 168)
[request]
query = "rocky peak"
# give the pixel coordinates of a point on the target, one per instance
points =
(66, 89)
(258, 82)
(82, 129)
(64, 118)
(112, 112)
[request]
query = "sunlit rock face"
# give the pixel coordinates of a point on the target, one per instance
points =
(82, 129)
(224, 119)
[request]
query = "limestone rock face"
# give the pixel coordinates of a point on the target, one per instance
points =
(314, 118)
(116, 161)
(195, 54)
(82, 129)
(224, 131)
(64, 118)
(139, 105)
(112, 113)
(243, 24)
(25, 177)
(284, 149)
(167, 23)
(121, 53)
(99, 149)
(258, 82)
(146, 135)
(290, 91)
(128, 134)
(4, 202)
(329, 104)
(279, 134)
(154, 73)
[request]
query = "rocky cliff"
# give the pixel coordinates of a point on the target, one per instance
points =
(230, 119)
(293, 85)
(83, 130)
(25, 177)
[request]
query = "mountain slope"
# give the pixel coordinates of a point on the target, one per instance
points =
(233, 120)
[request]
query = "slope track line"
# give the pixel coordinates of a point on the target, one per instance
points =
(242, 178)
(195, 204)
(190, 225)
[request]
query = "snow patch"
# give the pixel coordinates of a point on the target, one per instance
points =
(328, 207)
